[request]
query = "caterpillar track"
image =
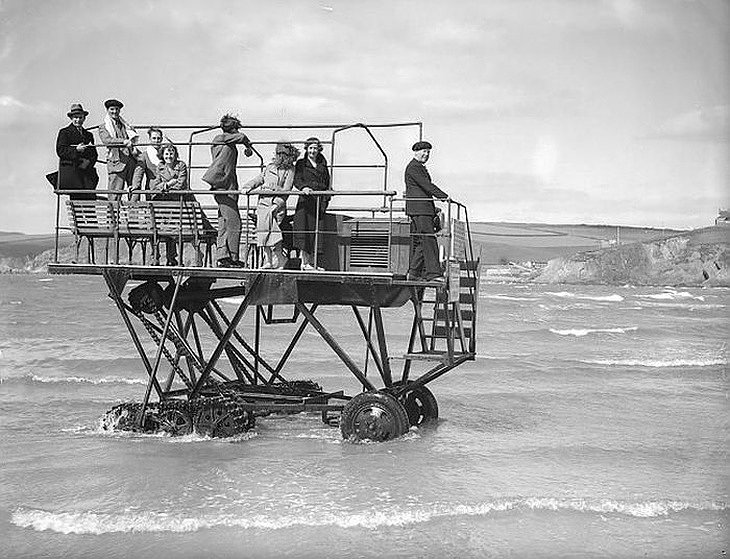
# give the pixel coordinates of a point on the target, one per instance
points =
(229, 413)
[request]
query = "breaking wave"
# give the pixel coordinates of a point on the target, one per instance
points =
(580, 332)
(707, 362)
(103, 523)
(509, 298)
(613, 298)
(73, 380)
(672, 296)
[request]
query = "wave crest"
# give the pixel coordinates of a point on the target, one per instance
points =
(104, 523)
(679, 362)
(613, 298)
(580, 332)
(73, 380)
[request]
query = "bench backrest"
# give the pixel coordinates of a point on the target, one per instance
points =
(135, 218)
(93, 217)
(169, 218)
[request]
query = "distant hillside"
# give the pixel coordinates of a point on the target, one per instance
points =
(699, 257)
(18, 251)
(520, 242)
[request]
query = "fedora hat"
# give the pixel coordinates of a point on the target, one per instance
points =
(75, 109)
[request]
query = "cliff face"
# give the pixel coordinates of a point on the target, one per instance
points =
(696, 258)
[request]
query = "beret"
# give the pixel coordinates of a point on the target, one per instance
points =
(421, 145)
(113, 103)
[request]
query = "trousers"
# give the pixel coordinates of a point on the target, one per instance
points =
(424, 249)
(229, 227)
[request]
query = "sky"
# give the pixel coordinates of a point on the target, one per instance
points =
(551, 111)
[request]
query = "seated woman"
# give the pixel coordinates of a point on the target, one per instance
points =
(172, 174)
(311, 174)
(271, 210)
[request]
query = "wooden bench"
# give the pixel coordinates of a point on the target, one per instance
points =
(141, 222)
(93, 219)
(186, 223)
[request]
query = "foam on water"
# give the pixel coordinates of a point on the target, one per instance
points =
(88, 522)
(580, 332)
(613, 298)
(677, 362)
(509, 298)
(78, 380)
(672, 296)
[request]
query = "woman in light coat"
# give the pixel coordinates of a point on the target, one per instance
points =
(172, 174)
(278, 177)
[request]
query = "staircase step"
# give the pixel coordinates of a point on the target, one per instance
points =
(466, 298)
(466, 314)
(469, 264)
(466, 281)
(442, 332)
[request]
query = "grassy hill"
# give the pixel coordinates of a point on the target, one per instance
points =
(698, 257)
(520, 242)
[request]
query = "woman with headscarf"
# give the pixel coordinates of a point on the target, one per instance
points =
(311, 174)
(271, 209)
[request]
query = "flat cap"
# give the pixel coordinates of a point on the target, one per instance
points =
(421, 145)
(113, 103)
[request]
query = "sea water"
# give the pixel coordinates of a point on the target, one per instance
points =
(594, 423)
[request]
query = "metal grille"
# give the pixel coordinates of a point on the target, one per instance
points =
(458, 239)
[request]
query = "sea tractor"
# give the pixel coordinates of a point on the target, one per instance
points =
(201, 331)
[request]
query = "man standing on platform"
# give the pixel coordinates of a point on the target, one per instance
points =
(221, 176)
(119, 137)
(77, 156)
(420, 191)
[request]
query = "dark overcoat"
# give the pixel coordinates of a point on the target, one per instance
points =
(74, 173)
(420, 191)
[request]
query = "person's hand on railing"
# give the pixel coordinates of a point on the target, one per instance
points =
(306, 190)
(248, 152)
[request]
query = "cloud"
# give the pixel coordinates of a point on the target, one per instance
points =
(14, 111)
(710, 124)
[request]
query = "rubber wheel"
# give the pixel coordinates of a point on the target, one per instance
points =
(419, 403)
(375, 416)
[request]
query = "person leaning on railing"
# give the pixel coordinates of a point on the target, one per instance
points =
(172, 174)
(420, 192)
(311, 174)
(221, 176)
(77, 156)
(271, 209)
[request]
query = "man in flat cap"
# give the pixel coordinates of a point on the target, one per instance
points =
(420, 192)
(119, 137)
(77, 156)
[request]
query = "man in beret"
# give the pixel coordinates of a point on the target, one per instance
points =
(119, 137)
(77, 156)
(420, 192)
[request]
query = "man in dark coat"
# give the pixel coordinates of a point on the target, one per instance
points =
(77, 156)
(420, 192)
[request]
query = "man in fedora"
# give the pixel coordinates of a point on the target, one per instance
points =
(420, 192)
(77, 156)
(119, 137)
